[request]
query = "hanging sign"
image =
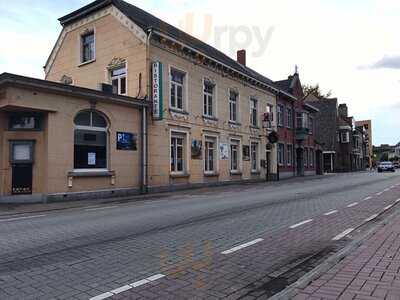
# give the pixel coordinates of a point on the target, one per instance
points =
(157, 90)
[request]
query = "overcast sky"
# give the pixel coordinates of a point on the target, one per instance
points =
(349, 47)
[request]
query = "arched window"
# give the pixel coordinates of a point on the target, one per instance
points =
(90, 142)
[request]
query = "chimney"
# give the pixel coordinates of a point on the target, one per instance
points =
(343, 112)
(241, 57)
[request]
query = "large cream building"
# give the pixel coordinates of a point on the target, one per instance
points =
(209, 121)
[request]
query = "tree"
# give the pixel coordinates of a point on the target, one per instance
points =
(385, 156)
(316, 91)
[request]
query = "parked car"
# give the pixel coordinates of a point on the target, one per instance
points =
(396, 165)
(386, 166)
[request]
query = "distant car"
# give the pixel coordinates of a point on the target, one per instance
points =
(396, 165)
(386, 166)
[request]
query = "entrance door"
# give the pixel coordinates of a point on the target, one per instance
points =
(21, 159)
(268, 165)
(21, 179)
(300, 162)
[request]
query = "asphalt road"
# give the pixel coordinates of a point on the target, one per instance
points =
(87, 252)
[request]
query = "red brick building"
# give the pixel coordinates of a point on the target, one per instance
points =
(299, 154)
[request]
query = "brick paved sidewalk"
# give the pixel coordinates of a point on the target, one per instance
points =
(371, 271)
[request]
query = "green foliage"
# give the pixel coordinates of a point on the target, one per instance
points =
(316, 91)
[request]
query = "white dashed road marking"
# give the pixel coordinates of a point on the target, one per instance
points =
(386, 190)
(237, 248)
(21, 218)
(353, 204)
(343, 234)
(378, 194)
(388, 207)
(127, 287)
(330, 213)
(371, 218)
(368, 198)
(300, 224)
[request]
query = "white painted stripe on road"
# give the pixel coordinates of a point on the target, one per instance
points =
(102, 296)
(121, 289)
(398, 200)
(100, 208)
(393, 186)
(343, 234)
(378, 194)
(128, 287)
(386, 190)
(368, 198)
(300, 224)
(353, 204)
(371, 218)
(237, 248)
(388, 207)
(330, 213)
(21, 218)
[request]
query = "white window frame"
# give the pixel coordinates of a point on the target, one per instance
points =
(280, 115)
(281, 162)
(253, 112)
(311, 157)
(238, 143)
(346, 136)
(289, 155)
(184, 89)
(81, 35)
(305, 157)
(119, 77)
(257, 160)
(236, 105)
(213, 99)
(213, 139)
(186, 153)
(289, 121)
(98, 129)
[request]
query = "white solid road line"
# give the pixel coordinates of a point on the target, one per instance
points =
(365, 199)
(371, 218)
(388, 207)
(330, 213)
(398, 200)
(343, 234)
(300, 224)
(237, 248)
(21, 218)
(127, 287)
(386, 190)
(353, 204)
(100, 208)
(378, 194)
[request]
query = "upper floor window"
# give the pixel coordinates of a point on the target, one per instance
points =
(311, 125)
(24, 121)
(345, 137)
(87, 47)
(90, 145)
(301, 120)
(233, 106)
(118, 80)
(279, 112)
(253, 112)
(289, 116)
(177, 89)
(269, 116)
(208, 99)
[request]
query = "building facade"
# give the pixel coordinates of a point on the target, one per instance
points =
(367, 125)
(212, 119)
(297, 147)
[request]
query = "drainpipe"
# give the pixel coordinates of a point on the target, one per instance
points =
(144, 123)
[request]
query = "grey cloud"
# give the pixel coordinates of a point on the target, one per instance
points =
(387, 62)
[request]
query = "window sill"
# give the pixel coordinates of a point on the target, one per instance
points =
(94, 173)
(178, 111)
(254, 127)
(179, 175)
(255, 172)
(236, 173)
(234, 123)
(211, 174)
(211, 118)
(86, 63)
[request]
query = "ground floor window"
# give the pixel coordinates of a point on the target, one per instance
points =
(234, 155)
(281, 154)
(311, 159)
(90, 141)
(177, 153)
(305, 157)
(254, 156)
(210, 155)
(289, 160)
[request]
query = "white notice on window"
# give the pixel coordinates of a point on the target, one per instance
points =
(91, 159)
